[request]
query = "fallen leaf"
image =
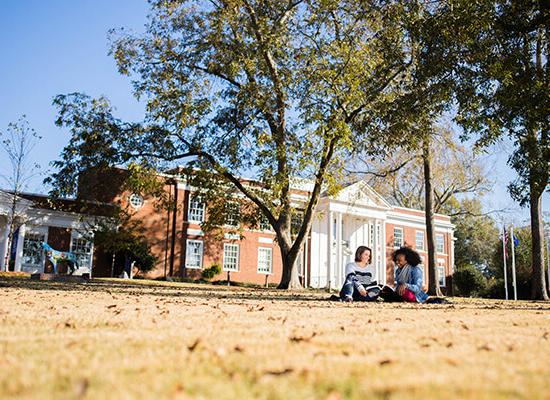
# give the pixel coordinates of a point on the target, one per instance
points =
(302, 338)
(192, 347)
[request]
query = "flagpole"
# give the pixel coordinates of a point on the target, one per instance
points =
(513, 242)
(504, 259)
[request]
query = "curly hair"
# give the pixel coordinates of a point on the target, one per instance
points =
(412, 257)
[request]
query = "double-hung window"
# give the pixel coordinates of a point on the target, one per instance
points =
(397, 237)
(233, 211)
(419, 240)
(230, 257)
(439, 243)
(33, 254)
(265, 260)
(441, 275)
(193, 254)
(82, 248)
(196, 209)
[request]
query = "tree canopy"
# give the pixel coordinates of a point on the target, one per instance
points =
(271, 90)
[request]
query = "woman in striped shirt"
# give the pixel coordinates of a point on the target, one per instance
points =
(359, 276)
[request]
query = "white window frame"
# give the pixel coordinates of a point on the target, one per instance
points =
(187, 254)
(78, 236)
(193, 212)
(423, 247)
(437, 243)
(227, 246)
(395, 229)
(136, 201)
(232, 224)
(28, 267)
(264, 224)
(441, 275)
(269, 259)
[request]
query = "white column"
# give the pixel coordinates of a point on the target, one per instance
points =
(384, 239)
(339, 254)
(19, 250)
(4, 249)
(329, 249)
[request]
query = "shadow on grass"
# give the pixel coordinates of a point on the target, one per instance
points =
(214, 292)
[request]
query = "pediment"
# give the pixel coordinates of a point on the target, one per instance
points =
(361, 194)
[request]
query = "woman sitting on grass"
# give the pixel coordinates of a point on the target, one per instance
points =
(408, 276)
(360, 275)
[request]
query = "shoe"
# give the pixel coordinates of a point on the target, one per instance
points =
(348, 299)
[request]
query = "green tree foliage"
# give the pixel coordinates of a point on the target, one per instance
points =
(468, 281)
(504, 91)
(273, 89)
(476, 235)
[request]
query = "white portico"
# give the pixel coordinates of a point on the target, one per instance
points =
(355, 216)
(35, 225)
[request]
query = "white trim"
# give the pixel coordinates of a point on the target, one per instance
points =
(199, 198)
(441, 235)
(194, 232)
(31, 230)
(265, 240)
(398, 228)
(416, 240)
(77, 235)
(270, 272)
(187, 247)
(225, 246)
(441, 278)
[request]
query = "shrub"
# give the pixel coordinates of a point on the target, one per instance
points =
(495, 289)
(469, 281)
(211, 272)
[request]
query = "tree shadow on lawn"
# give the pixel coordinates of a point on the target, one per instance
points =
(214, 292)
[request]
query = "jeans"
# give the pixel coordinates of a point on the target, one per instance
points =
(350, 290)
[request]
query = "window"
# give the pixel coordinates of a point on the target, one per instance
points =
(230, 257)
(233, 214)
(193, 254)
(196, 210)
(265, 261)
(397, 237)
(419, 240)
(33, 254)
(439, 243)
(296, 222)
(82, 247)
(264, 223)
(136, 201)
(441, 275)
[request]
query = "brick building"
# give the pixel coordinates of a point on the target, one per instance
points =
(356, 216)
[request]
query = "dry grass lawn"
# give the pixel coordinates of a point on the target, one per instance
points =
(110, 339)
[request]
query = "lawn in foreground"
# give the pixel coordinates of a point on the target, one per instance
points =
(112, 339)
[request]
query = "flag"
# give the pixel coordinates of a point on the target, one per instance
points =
(505, 241)
(516, 241)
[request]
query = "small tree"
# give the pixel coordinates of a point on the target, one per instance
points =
(18, 143)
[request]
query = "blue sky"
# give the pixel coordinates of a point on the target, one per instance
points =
(60, 46)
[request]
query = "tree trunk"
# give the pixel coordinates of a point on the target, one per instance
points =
(290, 278)
(538, 281)
(433, 281)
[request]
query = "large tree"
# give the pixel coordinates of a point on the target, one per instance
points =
(271, 90)
(506, 92)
